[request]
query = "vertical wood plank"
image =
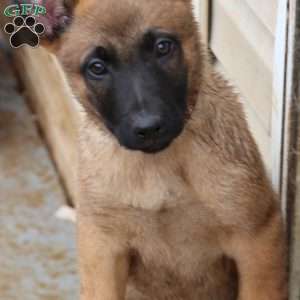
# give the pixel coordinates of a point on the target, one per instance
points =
(279, 93)
(202, 13)
(290, 189)
(266, 11)
(245, 49)
(288, 136)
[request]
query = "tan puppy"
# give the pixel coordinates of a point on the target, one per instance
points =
(175, 203)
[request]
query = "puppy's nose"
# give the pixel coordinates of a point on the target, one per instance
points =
(148, 127)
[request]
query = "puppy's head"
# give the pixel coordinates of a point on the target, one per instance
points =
(134, 64)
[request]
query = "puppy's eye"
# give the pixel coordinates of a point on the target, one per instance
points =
(164, 47)
(96, 69)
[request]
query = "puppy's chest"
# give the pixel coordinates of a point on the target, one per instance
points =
(163, 217)
(173, 249)
(177, 230)
(150, 190)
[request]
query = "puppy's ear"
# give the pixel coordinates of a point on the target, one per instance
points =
(58, 16)
(55, 16)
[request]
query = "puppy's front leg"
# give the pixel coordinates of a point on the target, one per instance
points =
(103, 262)
(261, 262)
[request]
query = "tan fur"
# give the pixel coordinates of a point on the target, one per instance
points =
(198, 220)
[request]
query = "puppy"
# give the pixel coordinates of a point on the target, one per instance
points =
(175, 202)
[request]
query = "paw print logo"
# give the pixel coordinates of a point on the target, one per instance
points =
(24, 31)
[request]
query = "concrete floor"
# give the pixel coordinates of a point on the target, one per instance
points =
(37, 248)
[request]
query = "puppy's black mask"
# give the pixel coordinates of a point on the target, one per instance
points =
(141, 99)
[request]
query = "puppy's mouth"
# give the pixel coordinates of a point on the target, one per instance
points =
(154, 146)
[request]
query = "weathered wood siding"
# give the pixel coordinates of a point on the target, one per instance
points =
(241, 34)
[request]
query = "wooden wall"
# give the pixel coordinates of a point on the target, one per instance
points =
(241, 34)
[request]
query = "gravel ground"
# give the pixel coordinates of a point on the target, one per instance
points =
(37, 248)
